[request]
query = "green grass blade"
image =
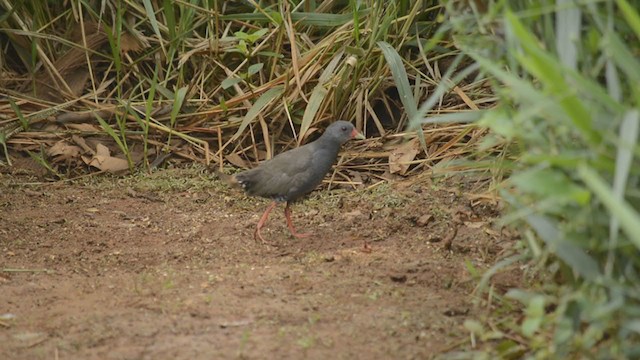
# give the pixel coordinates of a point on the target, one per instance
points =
(317, 96)
(23, 121)
(170, 17)
(109, 130)
(400, 77)
(257, 107)
(632, 17)
(151, 15)
(178, 100)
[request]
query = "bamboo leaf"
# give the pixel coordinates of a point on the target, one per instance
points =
(571, 254)
(627, 216)
(550, 72)
(628, 136)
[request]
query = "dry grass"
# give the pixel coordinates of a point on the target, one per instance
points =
(143, 84)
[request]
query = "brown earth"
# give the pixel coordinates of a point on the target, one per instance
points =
(164, 266)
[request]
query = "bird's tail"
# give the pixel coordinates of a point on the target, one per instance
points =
(228, 179)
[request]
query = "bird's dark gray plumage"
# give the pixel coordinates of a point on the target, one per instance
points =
(292, 174)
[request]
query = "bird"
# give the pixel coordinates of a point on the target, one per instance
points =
(290, 175)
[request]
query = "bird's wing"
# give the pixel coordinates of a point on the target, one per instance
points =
(283, 174)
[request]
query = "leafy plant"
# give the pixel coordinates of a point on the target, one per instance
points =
(566, 73)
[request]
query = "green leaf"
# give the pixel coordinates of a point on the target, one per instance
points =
(626, 215)
(550, 72)
(253, 69)
(499, 122)
(568, 252)
(241, 35)
(534, 315)
(252, 38)
(229, 82)
(566, 160)
(270, 54)
(551, 183)
(257, 107)
(632, 17)
(223, 105)
(242, 47)
(455, 117)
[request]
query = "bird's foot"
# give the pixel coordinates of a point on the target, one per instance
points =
(258, 238)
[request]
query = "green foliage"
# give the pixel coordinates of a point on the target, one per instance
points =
(567, 76)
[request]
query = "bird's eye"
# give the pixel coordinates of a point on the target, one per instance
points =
(344, 128)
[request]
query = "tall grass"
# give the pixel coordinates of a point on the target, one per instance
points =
(567, 76)
(214, 80)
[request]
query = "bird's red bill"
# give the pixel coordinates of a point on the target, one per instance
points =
(356, 135)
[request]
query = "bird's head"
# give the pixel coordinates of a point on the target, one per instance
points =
(343, 131)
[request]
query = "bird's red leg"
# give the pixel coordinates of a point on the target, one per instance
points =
(263, 219)
(287, 214)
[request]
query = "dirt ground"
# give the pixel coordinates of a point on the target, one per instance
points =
(164, 266)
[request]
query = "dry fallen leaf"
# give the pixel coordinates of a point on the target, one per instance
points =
(104, 161)
(401, 156)
(63, 151)
(236, 160)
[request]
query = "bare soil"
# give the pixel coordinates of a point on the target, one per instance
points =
(165, 266)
